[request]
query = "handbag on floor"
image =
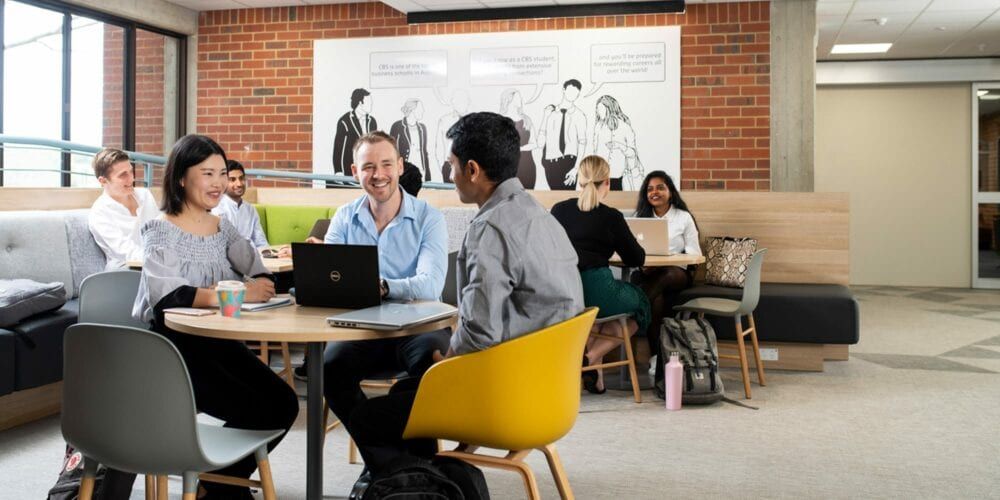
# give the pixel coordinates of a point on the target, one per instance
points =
(109, 484)
(694, 341)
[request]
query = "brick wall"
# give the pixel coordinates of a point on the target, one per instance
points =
(149, 90)
(255, 80)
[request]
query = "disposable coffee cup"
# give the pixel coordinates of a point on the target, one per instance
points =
(231, 294)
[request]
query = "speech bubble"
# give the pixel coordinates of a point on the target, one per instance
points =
(627, 63)
(514, 66)
(412, 69)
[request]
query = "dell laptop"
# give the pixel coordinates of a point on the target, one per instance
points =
(652, 234)
(341, 276)
(393, 315)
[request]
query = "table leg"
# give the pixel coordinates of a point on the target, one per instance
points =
(314, 422)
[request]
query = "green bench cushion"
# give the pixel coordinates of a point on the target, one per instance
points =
(284, 224)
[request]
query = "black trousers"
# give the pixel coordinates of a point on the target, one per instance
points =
(231, 384)
(377, 427)
(346, 364)
(662, 286)
(556, 170)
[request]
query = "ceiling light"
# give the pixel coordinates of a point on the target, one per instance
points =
(861, 48)
(990, 97)
(981, 93)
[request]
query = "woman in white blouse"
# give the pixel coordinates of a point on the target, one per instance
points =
(659, 198)
(117, 215)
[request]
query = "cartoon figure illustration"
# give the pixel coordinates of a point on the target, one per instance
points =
(614, 140)
(564, 139)
(355, 123)
(411, 137)
(512, 106)
(459, 106)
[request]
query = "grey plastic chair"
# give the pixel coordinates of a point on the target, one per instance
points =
(128, 404)
(737, 310)
(107, 298)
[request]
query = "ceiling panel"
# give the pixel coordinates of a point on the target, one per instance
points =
(917, 28)
(943, 5)
(885, 7)
(208, 4)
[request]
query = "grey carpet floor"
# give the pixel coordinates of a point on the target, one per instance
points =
(915, 413)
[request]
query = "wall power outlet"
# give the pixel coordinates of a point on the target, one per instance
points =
(768, 354)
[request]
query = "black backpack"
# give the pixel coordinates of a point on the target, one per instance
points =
(411, 478)
(109, 484)
(694, 341)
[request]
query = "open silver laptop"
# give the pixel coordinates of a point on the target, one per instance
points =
(653, 234)
(393, 315)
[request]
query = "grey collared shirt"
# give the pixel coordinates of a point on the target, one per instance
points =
(516, 272)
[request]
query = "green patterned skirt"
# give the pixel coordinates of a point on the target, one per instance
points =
(602, 290)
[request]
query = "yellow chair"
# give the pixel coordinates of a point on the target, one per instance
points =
(520, 395)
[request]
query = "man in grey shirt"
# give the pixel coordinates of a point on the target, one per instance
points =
(516, 273)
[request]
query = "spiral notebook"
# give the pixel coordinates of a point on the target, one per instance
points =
(270, 304)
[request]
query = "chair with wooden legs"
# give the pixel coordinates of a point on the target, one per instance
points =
(520, 395)
(128, 404)
(737, 310)
(626, 341)
(265, 349)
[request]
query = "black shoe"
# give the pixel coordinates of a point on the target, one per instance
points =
(301, 372)
(361, 485)
(590, 379)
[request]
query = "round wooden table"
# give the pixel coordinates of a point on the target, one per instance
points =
(297, 324)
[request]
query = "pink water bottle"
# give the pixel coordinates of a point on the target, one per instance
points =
(674, 376)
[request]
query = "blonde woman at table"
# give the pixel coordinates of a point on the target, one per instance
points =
(597, 231)
(659, 198)
(186, 253)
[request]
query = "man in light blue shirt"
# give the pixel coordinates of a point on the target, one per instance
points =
(412, 242)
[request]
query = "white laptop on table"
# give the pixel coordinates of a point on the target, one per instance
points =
(653, 234)
(393, 315)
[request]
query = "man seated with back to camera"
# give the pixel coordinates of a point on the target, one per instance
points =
(412, 242)
(516, 274)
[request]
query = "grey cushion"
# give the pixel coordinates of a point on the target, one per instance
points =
(791, 312)
(33, 246)
(85, 256)
(6, 362)
(22, 298)
(38, 348)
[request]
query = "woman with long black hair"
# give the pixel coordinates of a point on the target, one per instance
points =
(187, 252)
(659, 198)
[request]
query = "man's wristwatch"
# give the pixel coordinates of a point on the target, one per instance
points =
(385, 287)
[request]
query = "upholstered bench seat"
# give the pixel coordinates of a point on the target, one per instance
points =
(792, 312)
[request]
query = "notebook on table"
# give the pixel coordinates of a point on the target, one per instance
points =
(653, 235)
(393, 315)
(272, 303)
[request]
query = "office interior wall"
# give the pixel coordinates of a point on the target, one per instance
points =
(255, 87)
(903, 153)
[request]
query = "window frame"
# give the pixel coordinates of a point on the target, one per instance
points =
(128, 74)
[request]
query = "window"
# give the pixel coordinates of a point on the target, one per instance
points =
(32, 91)
(122, 83)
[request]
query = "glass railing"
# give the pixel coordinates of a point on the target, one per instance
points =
(27, 167)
